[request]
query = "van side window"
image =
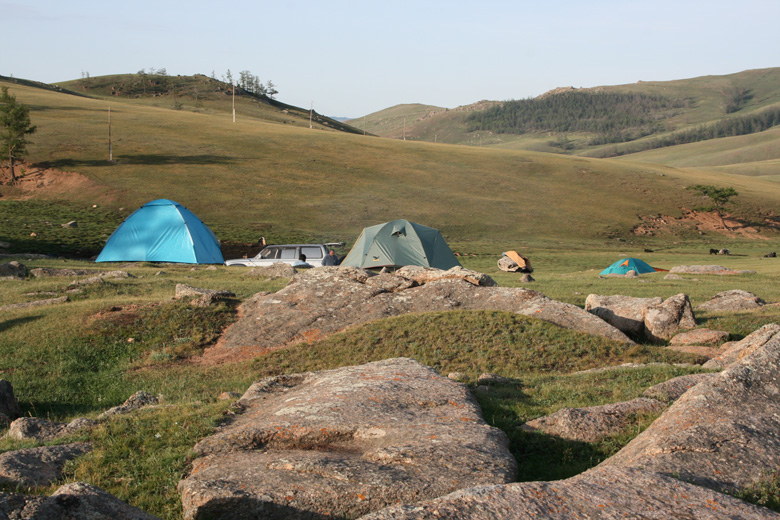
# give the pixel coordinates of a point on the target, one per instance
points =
(289, 253)
(312, 253)
(270, 252)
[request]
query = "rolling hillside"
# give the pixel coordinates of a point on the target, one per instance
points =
(672, 108)
(266, 175)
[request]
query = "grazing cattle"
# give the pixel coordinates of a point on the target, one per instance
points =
(713, 251)
(771, 255)
(724, 252)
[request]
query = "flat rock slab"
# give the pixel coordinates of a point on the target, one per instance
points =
(699, 337)
(671, 390)
(722, 433)
(76, 501)
(707, 269)
(601, 493)
(734, 301)
(343, 443)
(38, 466)
(43, 430)
(325, 300)
(593, 423)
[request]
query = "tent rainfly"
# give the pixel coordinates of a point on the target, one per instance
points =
(162, 231)
(629, 264)
(398, 243)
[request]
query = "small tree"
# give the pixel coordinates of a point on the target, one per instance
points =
(15, 123)
(720, 197)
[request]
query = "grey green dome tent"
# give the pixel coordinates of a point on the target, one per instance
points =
(398, 243)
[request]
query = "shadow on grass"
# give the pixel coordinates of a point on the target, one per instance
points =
(8, 324)
(141, 159)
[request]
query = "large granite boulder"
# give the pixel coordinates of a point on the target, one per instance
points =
(603, 493)
(325, 300)
(734, 301)
(657, 319)
(734, 351)
(722, 433)
(38, 466)
(626, 313)
(9, 406)
(343, 443)
(74, 501)
(664, 320)
(593, 423)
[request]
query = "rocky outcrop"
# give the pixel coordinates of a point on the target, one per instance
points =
(42, 272)
(9, 406)
(735, 351)
(345, 442)
(593, 423)
(722, 433)
(734, 301)
(706, 269)
(13, 271)
(700, 337)
(135, 402)
(38, 466)
(604, 493)
(200, 297)
(325, 300)
(101, 277)
(657, 319)
(671, 390)
(77, 501)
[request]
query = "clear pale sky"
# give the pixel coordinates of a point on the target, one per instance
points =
(350, 58)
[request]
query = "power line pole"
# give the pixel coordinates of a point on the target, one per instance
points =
(234, 102)
(110, 150)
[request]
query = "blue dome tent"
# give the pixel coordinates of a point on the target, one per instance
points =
(162, 231)
(629, 264)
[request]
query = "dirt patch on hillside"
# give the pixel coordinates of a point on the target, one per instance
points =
(705, 223)
(32, 180)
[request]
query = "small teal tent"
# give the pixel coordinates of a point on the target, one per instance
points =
(398, 243)
(162, 231)
(629, 264)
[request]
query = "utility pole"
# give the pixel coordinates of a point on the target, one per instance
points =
(234, 102)
(110, 150)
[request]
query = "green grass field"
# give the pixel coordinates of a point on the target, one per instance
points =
(265, 176)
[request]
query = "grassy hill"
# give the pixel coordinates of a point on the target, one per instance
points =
(268, 176)
(689, 104)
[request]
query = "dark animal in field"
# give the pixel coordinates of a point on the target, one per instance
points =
(771, 255)
(713, 251)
